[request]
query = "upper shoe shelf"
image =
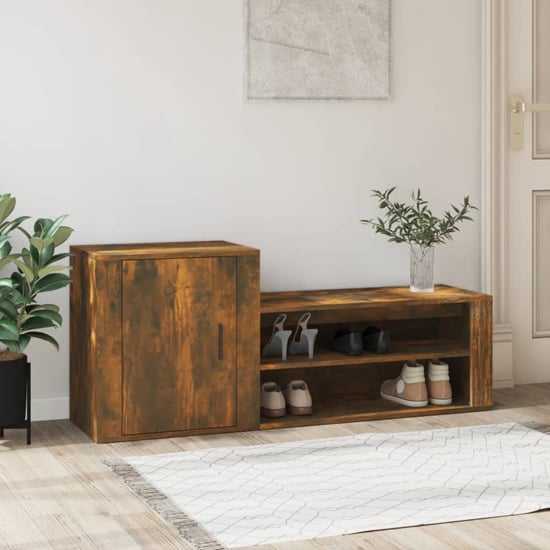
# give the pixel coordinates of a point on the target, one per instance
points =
(422, 325)
(363, 298)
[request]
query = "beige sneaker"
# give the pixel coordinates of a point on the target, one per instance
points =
(298, 398)
(439, 385)
(409, 388)
(272, 400)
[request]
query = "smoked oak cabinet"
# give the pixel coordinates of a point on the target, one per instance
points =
(451, 324)
(164, 339)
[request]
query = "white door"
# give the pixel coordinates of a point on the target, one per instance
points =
(529, 190)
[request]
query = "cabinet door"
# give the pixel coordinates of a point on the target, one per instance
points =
(179, 344)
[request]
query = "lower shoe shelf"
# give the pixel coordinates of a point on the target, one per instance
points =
(351, 393)
(359, 407)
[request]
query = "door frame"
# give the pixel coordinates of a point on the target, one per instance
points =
(495, 184)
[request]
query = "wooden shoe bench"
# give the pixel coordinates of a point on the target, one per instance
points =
(451, 324)
(166, 340)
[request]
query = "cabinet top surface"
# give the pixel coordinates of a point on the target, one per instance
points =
(273, 302)
(154, 250)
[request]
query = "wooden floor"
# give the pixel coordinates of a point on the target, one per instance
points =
(57, 493)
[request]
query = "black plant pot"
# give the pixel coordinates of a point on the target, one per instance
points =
(15, 390)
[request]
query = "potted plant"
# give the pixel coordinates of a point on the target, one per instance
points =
(24, 276)
(415, 224)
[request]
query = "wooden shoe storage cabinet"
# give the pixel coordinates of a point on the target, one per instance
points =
(166, 340)
(451, 324)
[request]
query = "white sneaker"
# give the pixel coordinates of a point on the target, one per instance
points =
(409, 388)
(439, 384)
(272, 400)
(298, 398)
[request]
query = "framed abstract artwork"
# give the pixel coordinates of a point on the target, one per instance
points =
(317, 49)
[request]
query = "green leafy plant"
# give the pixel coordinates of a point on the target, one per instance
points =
(27, 274)
(414, 223)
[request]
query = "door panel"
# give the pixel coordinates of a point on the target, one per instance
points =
(541, 264)
(528, 214)
(179, 344)
(541, 77)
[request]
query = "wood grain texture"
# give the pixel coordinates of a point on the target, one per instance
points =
(363, 298)
(183, 383)
(106, 348)
(56, 493)
(194, 249)
(402, 351)
(451, 324)
(179, 334)
(81, 377)
(148, 364)
(95, 353)
(95, 345)
(248, 337)
(481, 352)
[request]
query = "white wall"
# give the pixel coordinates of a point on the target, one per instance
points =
(129, 115)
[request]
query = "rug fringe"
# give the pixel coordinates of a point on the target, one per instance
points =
(187, 527)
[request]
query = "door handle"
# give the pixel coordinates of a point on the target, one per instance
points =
(220, 342)
(517, 108)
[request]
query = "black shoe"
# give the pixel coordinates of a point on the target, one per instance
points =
(376, 340)
(345, 341)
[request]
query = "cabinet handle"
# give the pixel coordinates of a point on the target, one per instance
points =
(220, 342)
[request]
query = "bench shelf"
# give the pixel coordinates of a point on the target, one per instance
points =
(451, 324)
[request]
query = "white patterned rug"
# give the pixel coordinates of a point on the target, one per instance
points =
(249, 495)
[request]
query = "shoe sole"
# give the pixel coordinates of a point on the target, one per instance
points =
(435, 401)
(299, 411)
(272, 413)
(402, 401)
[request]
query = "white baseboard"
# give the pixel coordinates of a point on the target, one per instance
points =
(50, 409)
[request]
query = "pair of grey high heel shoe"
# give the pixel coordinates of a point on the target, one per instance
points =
(302, 340)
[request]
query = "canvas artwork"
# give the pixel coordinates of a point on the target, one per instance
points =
(318, 49)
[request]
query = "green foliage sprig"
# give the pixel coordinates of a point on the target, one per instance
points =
(415, 223)
(35, 269)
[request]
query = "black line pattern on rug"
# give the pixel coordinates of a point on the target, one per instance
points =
(187, 527)
(537, 426)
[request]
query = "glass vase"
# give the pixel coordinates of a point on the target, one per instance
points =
(422, 268)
